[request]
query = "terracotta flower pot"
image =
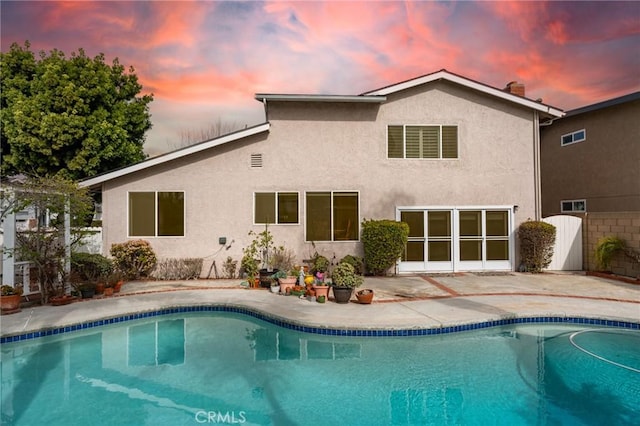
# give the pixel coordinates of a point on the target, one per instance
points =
(108, 291)
(62, 300)
(322, 290)
(287, 283)
(365, 296)
(10, 304)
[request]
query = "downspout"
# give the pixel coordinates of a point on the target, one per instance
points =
(536, 166)
(266, 110)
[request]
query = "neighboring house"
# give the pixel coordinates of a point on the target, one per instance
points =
(590, 165)
(456, 159)
(590, 159)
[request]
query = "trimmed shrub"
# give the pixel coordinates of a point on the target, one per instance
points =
(383, 240)
(134, 259)
(537, 239)
(606, 249)
(90, 266)
(355, 261)
(178, 269)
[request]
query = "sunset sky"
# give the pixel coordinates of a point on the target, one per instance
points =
(204, 60)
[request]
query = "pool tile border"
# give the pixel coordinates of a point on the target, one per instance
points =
(292, 325)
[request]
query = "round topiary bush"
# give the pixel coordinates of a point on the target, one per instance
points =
(134, 259)
(383, 241)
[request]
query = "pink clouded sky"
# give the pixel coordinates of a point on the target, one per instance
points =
(204, 60)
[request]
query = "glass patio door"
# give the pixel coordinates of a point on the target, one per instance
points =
(457, 239)
(429, 247)
(483, 240)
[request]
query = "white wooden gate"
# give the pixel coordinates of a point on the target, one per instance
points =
(567, 253)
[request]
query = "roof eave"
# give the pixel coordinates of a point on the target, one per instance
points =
(262, 97)
(192, 149)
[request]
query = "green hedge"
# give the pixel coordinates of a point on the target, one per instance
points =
(537, 239)
(384, 241)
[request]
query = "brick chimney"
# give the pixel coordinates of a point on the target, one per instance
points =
(515, 88)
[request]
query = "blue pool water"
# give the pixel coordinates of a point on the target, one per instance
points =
(226, 368)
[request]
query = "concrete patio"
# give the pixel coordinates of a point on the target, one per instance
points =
(401, 302)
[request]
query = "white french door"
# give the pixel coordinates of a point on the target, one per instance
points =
(457, 239)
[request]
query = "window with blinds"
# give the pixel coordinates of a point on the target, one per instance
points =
(422, 141)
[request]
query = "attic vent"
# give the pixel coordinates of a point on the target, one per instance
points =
(256, 160)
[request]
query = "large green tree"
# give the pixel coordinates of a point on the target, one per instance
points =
(72, 117)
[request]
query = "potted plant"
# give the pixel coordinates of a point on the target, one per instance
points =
(345, 280)
(276, 281)
(259, 250)
(320, 286)
(115, 280)
(10, 299)
(250, 266)
(297, 290)
(87, 290)
(319, 263)
(287, 279)
(63, 299)
(365, 296)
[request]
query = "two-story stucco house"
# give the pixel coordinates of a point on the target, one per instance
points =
(456, 159)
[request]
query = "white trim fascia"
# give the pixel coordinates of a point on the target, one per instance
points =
(444, 75)
(262, 97)
(164, 158)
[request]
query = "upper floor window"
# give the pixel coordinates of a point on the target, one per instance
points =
(574, 137)
(332, 216)
(275, 207)
(422, 141)
(156, 214)
(574, 206)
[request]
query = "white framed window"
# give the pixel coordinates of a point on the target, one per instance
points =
(573, 206)
(156, 213)
(573, 137)
(275, 207)
(332, 216)
(422, 141)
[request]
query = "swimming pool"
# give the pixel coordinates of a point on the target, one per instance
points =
(228, 368)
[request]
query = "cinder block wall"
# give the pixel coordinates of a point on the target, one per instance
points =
(624, 225)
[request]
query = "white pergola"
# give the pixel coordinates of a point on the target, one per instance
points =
(9, 229)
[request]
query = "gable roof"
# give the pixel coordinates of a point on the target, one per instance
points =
(192, 149)
(471, 84)
(380, 95)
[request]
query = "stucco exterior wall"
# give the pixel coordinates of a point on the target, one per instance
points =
(340, 146)
(603, 169)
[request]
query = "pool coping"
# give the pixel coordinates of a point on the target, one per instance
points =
(296, 325)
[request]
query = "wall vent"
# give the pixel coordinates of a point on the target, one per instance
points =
(256, 160)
